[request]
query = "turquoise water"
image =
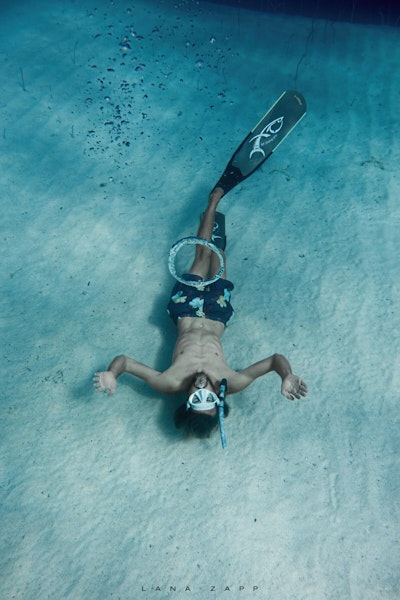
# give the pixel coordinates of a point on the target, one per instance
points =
(117, 120)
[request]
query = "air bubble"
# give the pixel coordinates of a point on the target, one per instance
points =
(125, 45)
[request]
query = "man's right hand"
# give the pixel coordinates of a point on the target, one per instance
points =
(293, 387)
(104, 381)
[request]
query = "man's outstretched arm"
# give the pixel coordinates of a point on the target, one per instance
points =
(106, 381)
(292, 385)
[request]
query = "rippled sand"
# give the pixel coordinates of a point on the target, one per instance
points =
(117, 120)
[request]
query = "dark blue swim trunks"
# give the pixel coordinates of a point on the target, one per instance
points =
(209, 302)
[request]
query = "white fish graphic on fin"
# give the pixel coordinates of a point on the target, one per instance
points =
(269, 130)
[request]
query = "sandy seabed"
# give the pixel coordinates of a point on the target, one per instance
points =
(117, 120)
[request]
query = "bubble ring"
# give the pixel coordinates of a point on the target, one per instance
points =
(190, 241)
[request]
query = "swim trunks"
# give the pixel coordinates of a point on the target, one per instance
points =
(209, 302)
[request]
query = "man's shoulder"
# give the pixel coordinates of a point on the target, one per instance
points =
(173, 380)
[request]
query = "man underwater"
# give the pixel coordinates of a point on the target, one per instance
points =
(198, 364)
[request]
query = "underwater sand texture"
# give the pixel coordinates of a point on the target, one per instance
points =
(117, 120)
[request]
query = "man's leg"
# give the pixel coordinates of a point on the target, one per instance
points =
(206, 262)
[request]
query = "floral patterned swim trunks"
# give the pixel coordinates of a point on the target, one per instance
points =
(209, 302)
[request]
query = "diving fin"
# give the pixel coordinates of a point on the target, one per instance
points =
(263, 139)
(218, 235)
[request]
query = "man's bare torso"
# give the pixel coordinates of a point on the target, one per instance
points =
(199, 350)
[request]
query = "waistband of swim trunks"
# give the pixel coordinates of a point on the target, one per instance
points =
(192, 277)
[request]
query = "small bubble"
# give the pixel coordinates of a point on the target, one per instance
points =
(125, 45)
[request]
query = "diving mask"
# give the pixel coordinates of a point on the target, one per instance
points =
(202, 399)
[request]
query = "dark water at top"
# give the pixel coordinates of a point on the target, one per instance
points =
(377, 12)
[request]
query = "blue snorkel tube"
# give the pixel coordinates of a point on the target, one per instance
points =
(222, 391)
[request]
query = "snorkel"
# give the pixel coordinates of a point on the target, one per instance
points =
(221, 395)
